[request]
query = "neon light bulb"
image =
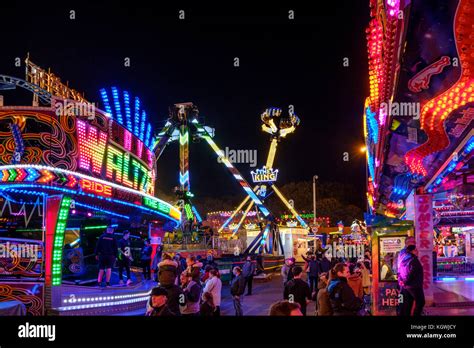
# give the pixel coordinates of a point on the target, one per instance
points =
(91, 143)
(105, 100)
(128, 116)
(136, 123)
(148, 135)
(118, 111)
(127, 140)
(142, 127)
(126, 171)
(139, 148)
(114, 164)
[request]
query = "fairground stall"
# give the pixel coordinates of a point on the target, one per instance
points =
(68, 170)
(418, 125)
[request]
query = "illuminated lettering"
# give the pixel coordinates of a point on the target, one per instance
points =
(264, 175)
(114, 163)
(126, 171)
(95, 187)
(91, 143)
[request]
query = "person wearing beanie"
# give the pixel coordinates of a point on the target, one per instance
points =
(158, 300)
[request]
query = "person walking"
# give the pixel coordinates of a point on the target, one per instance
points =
(248, 271)
(145, 258)
(125, 257)
(106, 253)
(343, 300)
(410, 278)
(214, 287)
(158, 303)
(297, 290)
(237, 289)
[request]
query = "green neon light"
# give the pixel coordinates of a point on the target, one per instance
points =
(29, 230)
(189, 212)
(183, 138)
(157, 205)
(98, 227)
(13, 175)
(56, 271)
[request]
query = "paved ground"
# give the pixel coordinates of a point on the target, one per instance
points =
(263, 295)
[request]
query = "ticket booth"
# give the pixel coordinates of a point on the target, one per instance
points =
(388, 239)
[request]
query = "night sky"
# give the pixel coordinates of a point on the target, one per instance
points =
(282, 62)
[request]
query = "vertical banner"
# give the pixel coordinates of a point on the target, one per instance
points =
(424, 241)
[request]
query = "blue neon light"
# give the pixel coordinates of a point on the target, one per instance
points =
(105, 100)
(448, 279)
(118, 110)
(126, 98)
(196, 213)
(142, 127)
(183, 178)
(148, 134)
(136, 122)
(373, 128)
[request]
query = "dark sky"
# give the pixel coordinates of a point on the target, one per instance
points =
(282, 62)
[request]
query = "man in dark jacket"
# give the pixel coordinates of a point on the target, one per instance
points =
(248, 271)
(297, 290)
(237, 288)
(158, 301)
(106, 253)
(342, 297)
(145, 258)
(125, 257)
(325, 264)
(312, 270)
(410, 278)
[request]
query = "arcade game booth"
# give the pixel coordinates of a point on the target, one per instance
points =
(69, 170)
(418, 125)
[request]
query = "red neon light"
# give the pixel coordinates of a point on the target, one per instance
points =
(95, 187)
(435, 112)
(52, 210)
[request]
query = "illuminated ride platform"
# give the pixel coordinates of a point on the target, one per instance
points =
(67, 171)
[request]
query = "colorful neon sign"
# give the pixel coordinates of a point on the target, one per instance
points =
(97, 155)
(96, 187)
(264, 175)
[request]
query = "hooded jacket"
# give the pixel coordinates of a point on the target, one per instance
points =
(342, 298)
(410, 271)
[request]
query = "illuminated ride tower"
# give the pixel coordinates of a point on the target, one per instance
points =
(183, 124)
(278, 127)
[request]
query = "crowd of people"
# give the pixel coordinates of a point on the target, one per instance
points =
(192, 286)
(342, 287)
(337, 288)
